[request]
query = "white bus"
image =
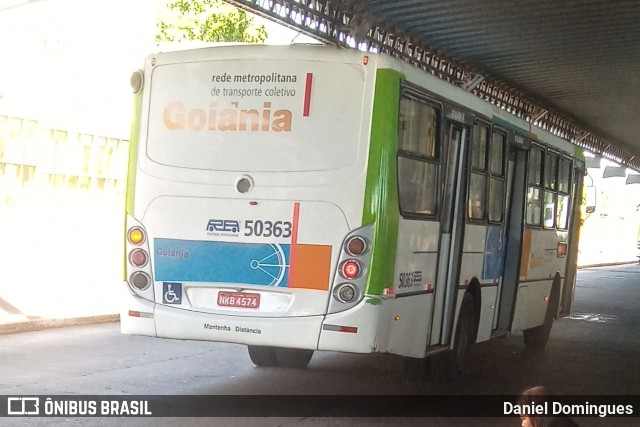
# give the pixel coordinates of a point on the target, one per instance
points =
(304, 198)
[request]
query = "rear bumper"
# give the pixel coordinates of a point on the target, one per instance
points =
(295, 332)
(142, 317)
(136, 314)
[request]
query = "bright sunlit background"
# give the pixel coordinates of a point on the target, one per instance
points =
(69, 61)
(65, 110)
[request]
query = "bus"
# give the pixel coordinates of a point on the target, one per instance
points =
(307, 198)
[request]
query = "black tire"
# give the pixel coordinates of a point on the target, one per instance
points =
(447, 367)
(263, 356)
(293, 357)
(536, 338)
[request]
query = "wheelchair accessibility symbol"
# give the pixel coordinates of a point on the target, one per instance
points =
(171, 293)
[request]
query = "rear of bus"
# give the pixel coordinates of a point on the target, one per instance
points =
(245, 197)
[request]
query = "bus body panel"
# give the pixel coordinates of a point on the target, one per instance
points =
(136, 314)
(483, 261)
(381, 192)
(262, 119)
(269, 253)
(298, 332)
(539, 266)
(488, 304)
(530, 311)
(206, 246)
(410, 324)
(417, 257)
(540, 258)
(410, 311)
(355, 330)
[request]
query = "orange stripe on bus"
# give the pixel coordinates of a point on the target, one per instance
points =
(294, 240)
(312, 267)
(526, 254)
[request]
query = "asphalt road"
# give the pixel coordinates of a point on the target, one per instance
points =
(593, 352)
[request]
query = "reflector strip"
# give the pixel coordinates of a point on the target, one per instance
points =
(133, 313)
(307, 95)
(526, 254)
(338, 328)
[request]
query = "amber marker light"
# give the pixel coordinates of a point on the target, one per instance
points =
(136, 236)
(562, 249)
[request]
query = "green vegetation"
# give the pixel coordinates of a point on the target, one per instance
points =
(209, 21)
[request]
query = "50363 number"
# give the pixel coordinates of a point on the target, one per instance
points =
(267, 228)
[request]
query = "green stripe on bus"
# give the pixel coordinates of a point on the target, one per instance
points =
(381, 193)
(131, 172)
(133, 153)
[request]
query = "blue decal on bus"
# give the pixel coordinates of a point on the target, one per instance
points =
(171, 293)
(493, 254)
(261, 264)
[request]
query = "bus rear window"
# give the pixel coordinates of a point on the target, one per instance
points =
(260, 115)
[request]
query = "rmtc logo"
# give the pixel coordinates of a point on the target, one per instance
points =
(223, 225)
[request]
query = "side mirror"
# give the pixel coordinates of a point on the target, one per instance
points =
(590, 199)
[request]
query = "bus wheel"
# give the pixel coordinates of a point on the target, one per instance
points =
(536, 338)
(263, 356)
(293, 357)
(447, 367)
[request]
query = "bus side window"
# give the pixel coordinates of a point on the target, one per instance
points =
(551, 188)
(477, 181)
(564, 199)
(496, 177)
(534, 206)
(534, 192)
(418, 153)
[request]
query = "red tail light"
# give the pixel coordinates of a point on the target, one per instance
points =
(138, 257)
(350, 269)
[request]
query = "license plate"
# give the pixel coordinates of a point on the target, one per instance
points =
(238, 299)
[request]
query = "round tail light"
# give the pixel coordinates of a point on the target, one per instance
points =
(350, 269)
(136, 236)
(140, 280)
(356, 246)
(346, 293)
(138, 257)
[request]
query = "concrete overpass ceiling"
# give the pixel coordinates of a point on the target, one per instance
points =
(571, 66)
(580, 58)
